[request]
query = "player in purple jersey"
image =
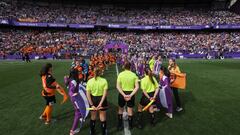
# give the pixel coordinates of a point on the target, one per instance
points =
(166, 92)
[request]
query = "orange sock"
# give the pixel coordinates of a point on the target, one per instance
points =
(45, 112)
(49, 112)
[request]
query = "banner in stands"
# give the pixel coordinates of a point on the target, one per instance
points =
(230, 26)
(234, 55)
(118, 26)
(80, 26)
(116, 45)
(29, 24)
(184, 27)
(193, 27)
(165, 27)
(123, 26)
(139, 27)
(4, 21)
(57, 25)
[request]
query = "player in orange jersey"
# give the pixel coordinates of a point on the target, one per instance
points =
(50, 86)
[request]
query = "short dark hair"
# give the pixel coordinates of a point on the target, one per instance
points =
(173, 59)
(45, 69)
(74, 74)
(165, 71)
(127, 65)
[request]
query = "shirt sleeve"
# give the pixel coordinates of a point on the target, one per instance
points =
(106, 85)
(150, 62)
(136, 77)
(88, 88)
(143, 87)
(178, 70)
(72, 86)
(156, 83)
(119, 78)
(166, 82)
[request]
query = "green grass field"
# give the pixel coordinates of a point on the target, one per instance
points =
(211, 101)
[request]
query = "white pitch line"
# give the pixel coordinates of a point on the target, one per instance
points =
(125, 115)
(117, 69)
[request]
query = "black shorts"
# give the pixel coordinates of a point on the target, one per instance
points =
(122, 102)
(144, 100)
(97, 99)
(50, 100)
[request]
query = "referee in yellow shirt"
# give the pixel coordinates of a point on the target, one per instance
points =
(127, 85)
(150, 88)
(96, 94)
(151, 62)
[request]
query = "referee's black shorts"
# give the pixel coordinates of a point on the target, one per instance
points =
(50, 100)
(144, 100)
(122, 102)
(97, 99)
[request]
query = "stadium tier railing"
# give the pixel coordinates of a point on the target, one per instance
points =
(118, 26)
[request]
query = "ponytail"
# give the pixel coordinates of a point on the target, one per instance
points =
(97, 73)
(150, 74)
(151, 77)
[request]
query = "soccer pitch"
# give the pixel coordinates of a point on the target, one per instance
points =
(211, 101)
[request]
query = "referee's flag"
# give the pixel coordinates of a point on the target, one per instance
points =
(82, 102)
(179, 81)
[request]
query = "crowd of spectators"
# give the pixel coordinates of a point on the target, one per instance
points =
(87, 43)
(111, 14)
(57, 42)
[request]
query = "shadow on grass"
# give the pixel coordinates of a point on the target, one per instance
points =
(65, 115)
(185, 98)
(111, 121)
